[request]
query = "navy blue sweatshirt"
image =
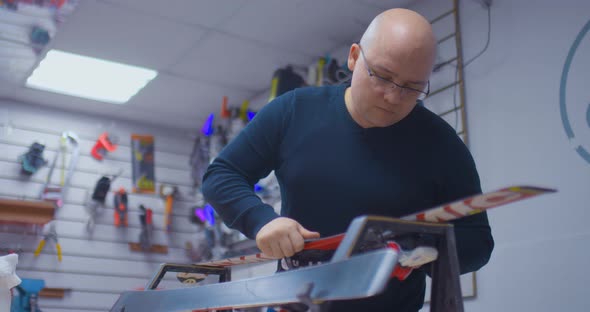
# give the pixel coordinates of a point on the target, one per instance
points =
(331, 170)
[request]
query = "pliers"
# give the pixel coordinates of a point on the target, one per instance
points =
(49, 234)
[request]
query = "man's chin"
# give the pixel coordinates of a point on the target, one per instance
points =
(380, 123)
(383, 120)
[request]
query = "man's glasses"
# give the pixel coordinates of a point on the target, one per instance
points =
(384, 83)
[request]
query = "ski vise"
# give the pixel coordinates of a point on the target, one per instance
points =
(358, 269)
(446, 288)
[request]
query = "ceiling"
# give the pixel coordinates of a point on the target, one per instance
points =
(202, 49)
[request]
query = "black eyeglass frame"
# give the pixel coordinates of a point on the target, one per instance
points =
(421, 95)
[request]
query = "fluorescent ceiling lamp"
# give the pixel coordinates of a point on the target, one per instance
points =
(88, 77)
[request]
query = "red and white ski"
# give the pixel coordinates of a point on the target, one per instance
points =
(448, 212)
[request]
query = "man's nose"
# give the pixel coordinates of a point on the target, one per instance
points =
(392, 95)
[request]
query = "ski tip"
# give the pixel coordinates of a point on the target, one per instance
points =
(532, 189)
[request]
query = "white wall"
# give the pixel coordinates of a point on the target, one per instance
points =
(517, 137)
(95, 267)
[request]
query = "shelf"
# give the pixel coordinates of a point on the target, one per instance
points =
(52, 292)
(154, 248)
(26, 211)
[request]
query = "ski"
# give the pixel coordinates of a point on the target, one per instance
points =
(444, 213)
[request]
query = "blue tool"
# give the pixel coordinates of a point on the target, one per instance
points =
(28, 293)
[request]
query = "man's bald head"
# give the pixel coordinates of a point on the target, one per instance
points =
(401, 33)
(396, 51)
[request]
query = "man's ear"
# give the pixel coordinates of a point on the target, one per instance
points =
(353, 56)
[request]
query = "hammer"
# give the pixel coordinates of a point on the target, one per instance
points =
(168, 192)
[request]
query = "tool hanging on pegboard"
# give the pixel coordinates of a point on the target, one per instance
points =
(49, 234)
(57, 193)
(146, 220)
(32, 160)
(168, 192)
(283, 80)
(121, 208)
(218, 138)
(201, 247)
(199, 160)
(49, 4)
(98, 198)
(105, 143)
(145, 236)
(327, 71)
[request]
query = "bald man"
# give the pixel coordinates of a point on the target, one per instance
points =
(343, 151)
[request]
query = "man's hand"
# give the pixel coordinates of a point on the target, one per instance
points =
(283, 237)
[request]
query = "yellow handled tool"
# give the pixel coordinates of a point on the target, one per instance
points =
(49, 234)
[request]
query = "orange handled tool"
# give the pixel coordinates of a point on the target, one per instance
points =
(168, 192)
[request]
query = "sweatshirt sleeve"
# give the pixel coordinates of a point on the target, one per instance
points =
(473, 234)
(228, 183)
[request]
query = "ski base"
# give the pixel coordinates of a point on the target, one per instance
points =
(330, 281)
